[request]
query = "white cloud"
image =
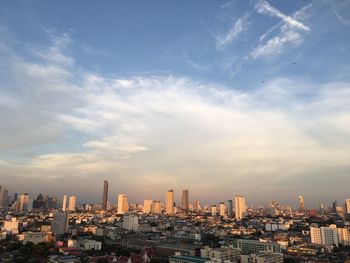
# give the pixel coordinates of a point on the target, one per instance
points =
(265, 8)
(239, 26)
(340, 18)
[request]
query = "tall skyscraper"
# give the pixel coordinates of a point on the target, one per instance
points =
(347, 206)
(60, 223)
(105, 195)
(222, 209)
(229, 208)
(239, 207)
(213, 210)
(64, 203)
(156, 207)
(123, 205)
(23, 202)
(184, 199)
(169, 202)
(72, 201)
(147, 206)
(196, 206)
(3, 197)
(301, 203)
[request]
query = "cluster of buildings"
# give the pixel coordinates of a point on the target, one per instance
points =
(228, 232)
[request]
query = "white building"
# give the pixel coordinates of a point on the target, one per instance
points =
(11, 226)
(240, 208)
(60, 223)
(147, 206)
(262, 257)
(156, 207)
(64, 203)
(37, 237)
(213, 210)
(343, 236)
(221, 254)
(327, 236)
(72, 201)
(130, 222)
(222, 209)
(123, 205)
(88, 244)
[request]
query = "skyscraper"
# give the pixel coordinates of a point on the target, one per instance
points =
(196, 206)
(301, 203)
(60, 223)
(347, 206)
(156, 207)
(105, 195)
(147, 206)
(169, 202)
(72, 201)
(229, 208)
(239, 207)
(23, 202)
(123, 205)
(222, 209)
(64, 203)
(184, 199)
(3, 197)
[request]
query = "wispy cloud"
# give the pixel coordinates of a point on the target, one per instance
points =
(340, 18)
(239, 26)
(265, 8)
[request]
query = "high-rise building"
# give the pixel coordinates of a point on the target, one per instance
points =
(23, 202)
(334, 206)
(147, 206)
(130, 222)
(347, 206)
(301, 203)
(60, 223)
(213, 210)
(222, 209)
(105, 195)
(64, 203)
(229, 208)
(327, 236)
(3, 197)
(123, 205)
(239, 207)
(156, 207)
(184, 199)
(196, 206)
(72, 201)
(169, 203)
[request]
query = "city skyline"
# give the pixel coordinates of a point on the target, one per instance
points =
(222, 98)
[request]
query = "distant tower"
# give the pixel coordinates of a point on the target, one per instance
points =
(123, 205)
(105, 195)
(60, 223)
(213, 210)
(72, 201)
(64, 203)
(222, 209)
(169, 209)
(23, 202)
(196, 206)
(3, 197)
(185, 202)
(229, 208)
(147, 206)
(239, 207)
(301, 203)
(156, 207)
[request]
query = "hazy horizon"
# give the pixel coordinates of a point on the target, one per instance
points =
(218, 97)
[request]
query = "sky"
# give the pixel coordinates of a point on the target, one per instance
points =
(218, 97)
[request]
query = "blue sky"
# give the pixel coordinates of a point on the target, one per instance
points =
(226, 96)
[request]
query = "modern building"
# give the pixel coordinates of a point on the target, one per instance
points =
(130, 222)
(37, 237)
(196, 206)
(105, 195)
(60, 223)
(213, 210)
(89, 244)
(229, 208)
(3, 197)
(156, 207)
(254, 246)
(23, 202)
(11, 226)
(187, 259)
(185, 200)
(169, 202)
(262, 257)
(123, 205)
(72, 201)
(222, 209)
(327, 236)
(343, 236)
(301, 202)
(222, 254)
(147, 206)
(240, 208)
(347, 206)
(64, 203)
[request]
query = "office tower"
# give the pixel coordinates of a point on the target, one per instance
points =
(222, 209)
(184, 199)
(72, 201)
(38, 203)
(169, 202)
(213, 210)
(229, 208)
(23, 202)
(239, 207)
(3, 197)
(147, 206)
(60, 223)
(347, 206)
(156, 207)
(196, 206)
(327, 236)
(105, 195)
(64, 203)
(130, 222)
(334, 206)
(301, 203)
(123, 205)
